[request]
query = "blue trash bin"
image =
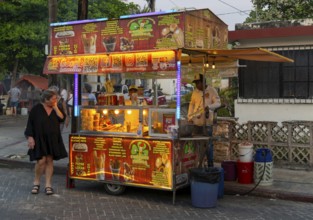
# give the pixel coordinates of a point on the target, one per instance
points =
(221, 184)
(204, 187)
(263, 155)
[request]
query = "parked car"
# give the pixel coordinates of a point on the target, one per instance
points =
(184, 90)
(149, 95)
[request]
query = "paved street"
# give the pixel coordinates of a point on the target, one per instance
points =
(89, 201)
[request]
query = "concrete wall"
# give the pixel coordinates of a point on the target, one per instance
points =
(277, 112)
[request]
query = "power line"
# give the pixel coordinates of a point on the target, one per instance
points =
(237, 12)
(173, 3)
(233, 7)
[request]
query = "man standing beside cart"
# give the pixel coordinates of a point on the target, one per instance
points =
(204, 100)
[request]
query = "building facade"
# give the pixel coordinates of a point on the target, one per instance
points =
(271, 91)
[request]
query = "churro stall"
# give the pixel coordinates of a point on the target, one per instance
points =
(119, 140)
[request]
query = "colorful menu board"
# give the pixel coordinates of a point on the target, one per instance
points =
(112, 63)
(193, 29)
(133, 161)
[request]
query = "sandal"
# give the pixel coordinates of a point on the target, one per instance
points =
(35, 189)
(49, 190)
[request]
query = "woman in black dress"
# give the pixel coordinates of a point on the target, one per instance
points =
(44, 138)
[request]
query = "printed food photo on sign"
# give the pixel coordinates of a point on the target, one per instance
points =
(162, 175)
(99, 162)
(129, 60)
(90, 43)
(91, 64)
(140, 160)
(115, 168)
(109, 43)
(174, 34)
(126, 44)
(128, 172)
(105, 61)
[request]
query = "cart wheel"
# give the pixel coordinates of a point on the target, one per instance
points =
(114, 189)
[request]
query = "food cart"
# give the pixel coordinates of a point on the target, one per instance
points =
(139, 145)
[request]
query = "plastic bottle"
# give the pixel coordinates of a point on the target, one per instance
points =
(139, 130)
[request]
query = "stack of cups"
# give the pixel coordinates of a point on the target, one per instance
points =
(245, 163)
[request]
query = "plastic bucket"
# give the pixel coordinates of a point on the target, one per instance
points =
(263, 155)
(204, 187)
(245, 172)
(245, 152)
(24, 111)
(230, 172)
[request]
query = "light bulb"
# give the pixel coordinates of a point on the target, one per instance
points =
(105, 111)
(116, 111)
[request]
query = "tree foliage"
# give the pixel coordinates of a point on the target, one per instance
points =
(271, 10)
(67, 9)
(23, 34)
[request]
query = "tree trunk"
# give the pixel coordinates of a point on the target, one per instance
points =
(53, 7)
(151, 5)
(82, 13)
(14, 73)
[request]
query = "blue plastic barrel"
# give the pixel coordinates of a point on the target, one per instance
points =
(263, 155)
(221, 184)
(204, 187)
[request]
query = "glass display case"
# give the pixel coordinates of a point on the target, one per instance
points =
(127, 120)
(162, 122)
(119, 120)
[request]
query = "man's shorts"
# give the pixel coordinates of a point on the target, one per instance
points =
(14, 104)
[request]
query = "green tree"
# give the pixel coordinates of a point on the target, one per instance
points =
(271, 10)
(67, 9)
(23, 35)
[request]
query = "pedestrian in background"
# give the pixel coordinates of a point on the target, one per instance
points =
(70, 104)
(14, 96)
(90, 98)
(44, 139)
(64, 94)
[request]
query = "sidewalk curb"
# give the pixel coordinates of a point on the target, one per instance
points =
(230, 189)
(11, 163)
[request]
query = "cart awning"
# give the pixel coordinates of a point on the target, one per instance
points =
(151, 61)
(253, 54)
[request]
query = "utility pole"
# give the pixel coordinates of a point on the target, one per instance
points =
(53, 7)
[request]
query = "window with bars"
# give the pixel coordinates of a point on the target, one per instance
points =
(261, 80)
